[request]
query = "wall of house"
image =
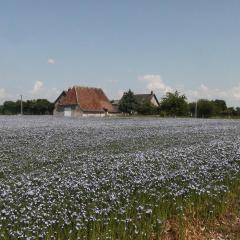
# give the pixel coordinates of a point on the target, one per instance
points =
(75, 110)
(58, 111)
(93, 115)
(115, 114)
(154, 102)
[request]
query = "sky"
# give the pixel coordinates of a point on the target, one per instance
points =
(191, 46)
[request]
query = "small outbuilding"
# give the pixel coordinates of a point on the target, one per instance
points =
(83, 101)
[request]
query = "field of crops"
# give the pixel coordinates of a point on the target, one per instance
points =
(115, 178)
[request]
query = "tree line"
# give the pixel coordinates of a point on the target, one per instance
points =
(30, 107)
(171, 105)
(176, 105)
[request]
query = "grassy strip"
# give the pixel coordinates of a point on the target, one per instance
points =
(196, 223)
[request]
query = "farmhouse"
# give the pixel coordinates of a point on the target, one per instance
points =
(147, 98)
(83, 101)
(115, 104)
(141, 99)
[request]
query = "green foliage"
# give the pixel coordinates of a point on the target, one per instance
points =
(147, 109)
(232, 112)
(237, 111)
(205, 108)
(220, 107)
(128, 103)
(35, 107)
(174, 104)
(39, 106)
(10, 107)
(214, 108)
(192, 108)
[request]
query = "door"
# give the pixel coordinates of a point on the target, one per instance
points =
(67, 112)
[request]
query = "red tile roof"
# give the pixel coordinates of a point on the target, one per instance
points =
(69, 97)
(89, 99)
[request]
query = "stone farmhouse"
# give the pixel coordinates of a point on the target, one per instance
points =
(147, 98)
(141, 100)
(82, 102)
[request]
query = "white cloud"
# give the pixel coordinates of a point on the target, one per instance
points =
(37, 88)
(120, 94)
(113, 81)
(51, 61)
(40, 91)
(204, 87)
(235, 91)
(155, 83)
(3, 94)
(231, 94)
(50, 94)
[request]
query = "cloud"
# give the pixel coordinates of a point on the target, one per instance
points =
(235, 92)
(120, 93)
(3, 94)
(40, 91)
(204, 87)
(155, 83)
(113, 81)
(51, 61)
(231, 94)
(37, 88)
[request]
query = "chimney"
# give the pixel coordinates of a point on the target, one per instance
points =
(151, 92)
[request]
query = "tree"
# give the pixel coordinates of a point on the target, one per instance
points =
(10, 107)
(192, 108)
(128, 103)
(220, 107)
(147, 109)
(174, 104)
(231, 112)
(238, 111)
(1, 109)
(34, 107)
(43, 106)
(205, 108)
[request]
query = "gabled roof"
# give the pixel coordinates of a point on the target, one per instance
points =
(144, 98)
(88, 99)
(68, 97)
(92, 99)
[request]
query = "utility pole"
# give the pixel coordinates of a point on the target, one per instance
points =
(196, 110)
(21, 106)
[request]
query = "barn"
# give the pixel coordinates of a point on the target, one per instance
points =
(82, 102)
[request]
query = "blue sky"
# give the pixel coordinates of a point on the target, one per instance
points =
(163, 45)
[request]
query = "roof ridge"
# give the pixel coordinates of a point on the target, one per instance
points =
(77, 86)
(76, 95)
